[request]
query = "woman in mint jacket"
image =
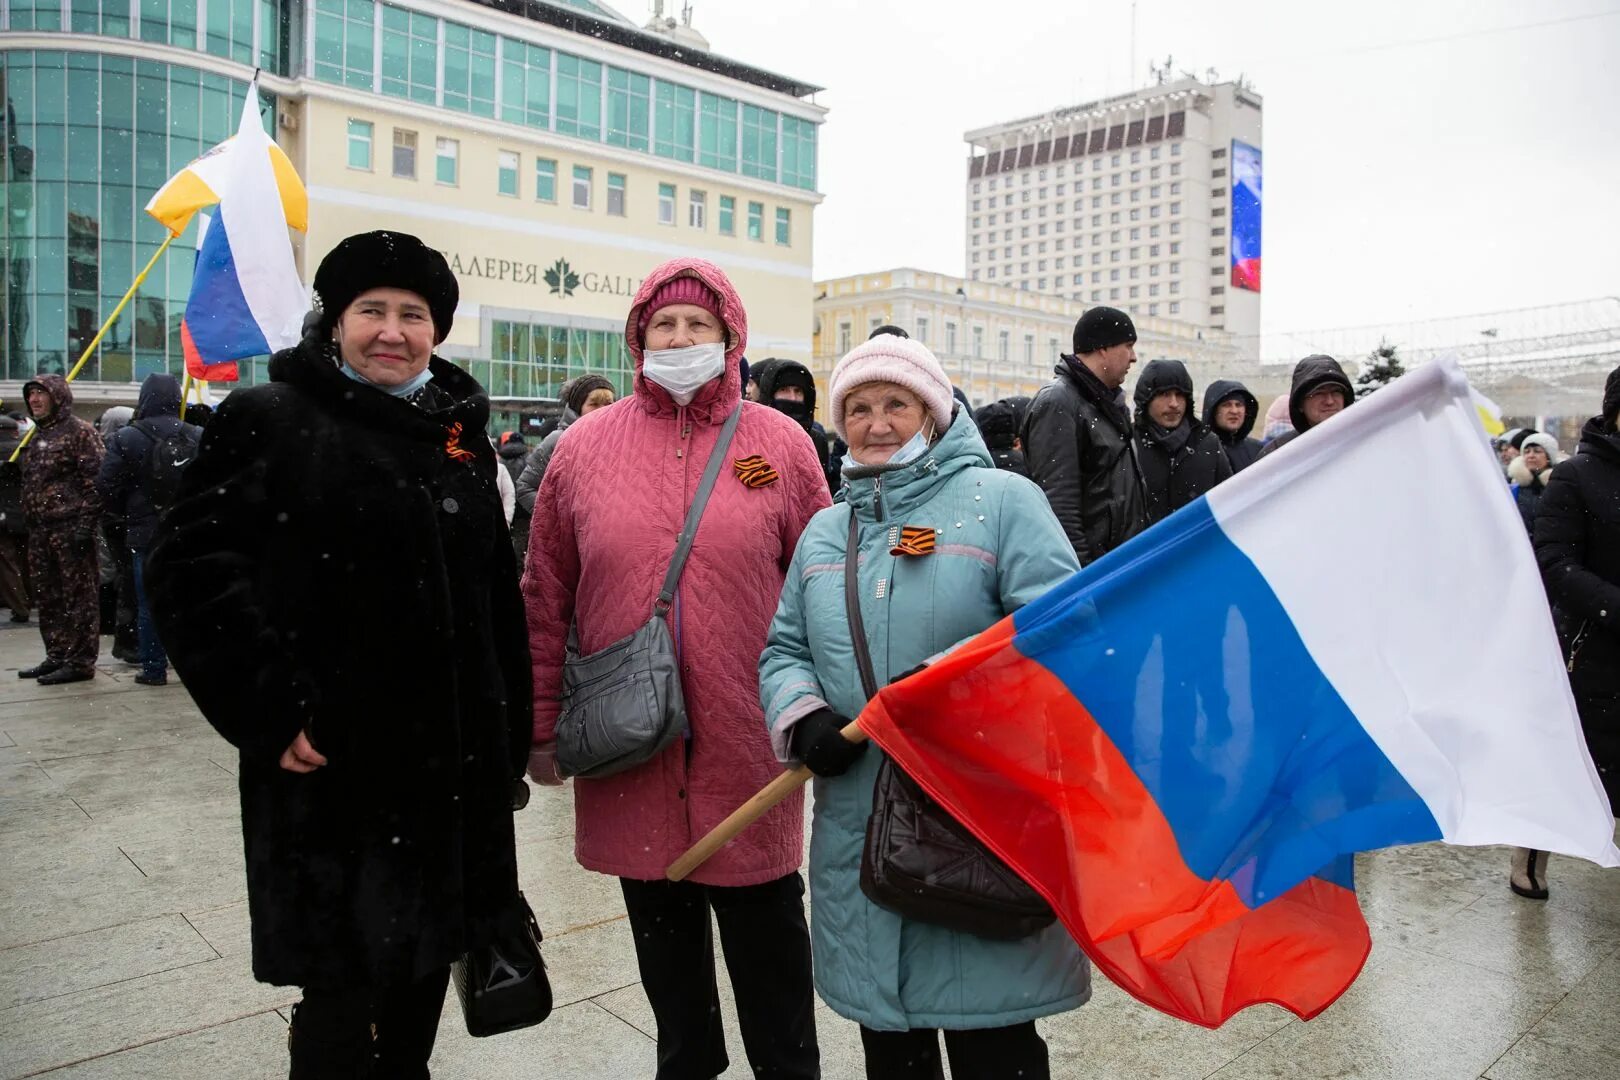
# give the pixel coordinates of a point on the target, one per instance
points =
(916, 466)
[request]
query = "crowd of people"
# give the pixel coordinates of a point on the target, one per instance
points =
(386, 739)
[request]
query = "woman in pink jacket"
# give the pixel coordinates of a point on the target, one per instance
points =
(605, 525)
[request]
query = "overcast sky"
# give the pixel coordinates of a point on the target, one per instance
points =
(1406, 177)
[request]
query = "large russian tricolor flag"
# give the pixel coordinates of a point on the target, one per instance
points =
(246, 298)
(1182, 746)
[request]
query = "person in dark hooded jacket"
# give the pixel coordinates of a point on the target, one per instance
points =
(125, 486)
(15, 592)
(336, 586)
(1230, 411)
(1321, 390)
(788, 387)
(1180, 458)
(998, 424)
(63, 512)
(580, 395)
(1577, 541)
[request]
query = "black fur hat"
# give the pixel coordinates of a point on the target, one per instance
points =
(385, 260)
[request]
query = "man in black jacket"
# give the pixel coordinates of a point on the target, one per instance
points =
(1230, 411)
(1077, 438)
(998, 423)
(126, 491)
(1321, 390)
(1180, 458)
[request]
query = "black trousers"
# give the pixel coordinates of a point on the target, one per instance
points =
(767, 949)
(365, 1034)
(982, 1054)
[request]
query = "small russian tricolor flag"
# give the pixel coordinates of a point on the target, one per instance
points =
(246, 298)
(1182, 746)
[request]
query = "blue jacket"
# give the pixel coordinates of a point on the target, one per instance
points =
(998, 546)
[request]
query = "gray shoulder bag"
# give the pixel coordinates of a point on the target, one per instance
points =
(623, 705)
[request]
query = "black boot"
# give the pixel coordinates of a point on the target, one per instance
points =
(1528, 873)
(66, 675)
(44, 667)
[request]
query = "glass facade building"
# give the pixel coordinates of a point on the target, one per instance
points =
(94, 125)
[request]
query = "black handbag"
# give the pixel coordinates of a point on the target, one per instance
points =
(918, 861)
(503, 986)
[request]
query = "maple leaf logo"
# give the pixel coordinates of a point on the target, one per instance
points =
(561, 278)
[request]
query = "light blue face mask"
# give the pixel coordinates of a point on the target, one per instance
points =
(914, 448)
(404, 389)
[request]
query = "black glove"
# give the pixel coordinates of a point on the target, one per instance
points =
(818, 741)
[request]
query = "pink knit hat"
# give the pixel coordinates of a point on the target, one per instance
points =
(893, 359)
(680, 290)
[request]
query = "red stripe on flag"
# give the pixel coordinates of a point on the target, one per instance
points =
(1049, 792)
(199, 368)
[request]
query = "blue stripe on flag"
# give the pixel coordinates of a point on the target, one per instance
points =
(221, 323)
(1185, 657)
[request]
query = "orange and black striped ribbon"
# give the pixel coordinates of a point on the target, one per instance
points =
(754, 472)
(452, 444)
(914, 540)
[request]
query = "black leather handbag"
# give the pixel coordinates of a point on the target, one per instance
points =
(503, 986)
(918, 861)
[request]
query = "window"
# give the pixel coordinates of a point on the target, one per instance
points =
(1003, 340)
(758, 142)
(1219, 211)
(717, 132)
(798, 153)
(579, 97)
(1217, 310)
(784, 226)
(1175, 149)
(582, 187)
(1216, 155)
(728, 216)
(666, 204)
(1217, 173)
(404, 154)
(674, 117)
(1175, 307)
(1175, 188)
(922, 330)
(447, 161)
(469, 70)
(345, 50)
(545, 180)
(359, 144)
(525, 83)
(1217, 290)
(1153, 309)
(629, 119)
(978, 341)
(507, 173)
(756, 221)
(1175, 208)
(1029, 344)
(1216, 271)
(950, 338)
(410, 55)
(615, 194)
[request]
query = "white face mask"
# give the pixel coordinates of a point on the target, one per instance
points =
(684, 371)
(913, 448)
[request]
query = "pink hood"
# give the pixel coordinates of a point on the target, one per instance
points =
(713, 402)
(605, 524)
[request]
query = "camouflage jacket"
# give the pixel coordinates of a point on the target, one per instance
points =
(60, 464)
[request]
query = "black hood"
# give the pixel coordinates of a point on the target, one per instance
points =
(780, 373)
(1309, 373)
(998, 423)
(160, 396)
(1156, 378)
(513, 449)
(1598, 440)
(1611, 395)
(1221, 390)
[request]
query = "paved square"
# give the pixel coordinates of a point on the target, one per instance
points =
(124, 939)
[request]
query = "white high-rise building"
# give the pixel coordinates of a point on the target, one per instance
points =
(1149, 201)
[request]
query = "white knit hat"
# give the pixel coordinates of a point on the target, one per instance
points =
(1546, 442)
(893, 359)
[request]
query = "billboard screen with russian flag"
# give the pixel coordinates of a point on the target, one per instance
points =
(1245, 216)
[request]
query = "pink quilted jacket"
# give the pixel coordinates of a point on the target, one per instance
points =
(605, 523)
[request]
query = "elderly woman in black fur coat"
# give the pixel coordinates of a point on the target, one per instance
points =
(336, 587)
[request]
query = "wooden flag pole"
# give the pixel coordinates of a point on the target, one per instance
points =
(90, 348)
(185, 394)
(749, 812)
